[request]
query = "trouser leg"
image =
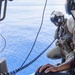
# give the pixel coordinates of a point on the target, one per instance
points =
(55, 53)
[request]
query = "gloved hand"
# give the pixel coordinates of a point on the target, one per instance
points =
(58, 43)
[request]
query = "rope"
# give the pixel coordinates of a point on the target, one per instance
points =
(23, 67)
(4, 43)
(36, 35)
(4, 13)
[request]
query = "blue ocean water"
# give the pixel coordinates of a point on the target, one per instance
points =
(20, 27)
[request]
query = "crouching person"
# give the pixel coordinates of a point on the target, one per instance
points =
(64, 45)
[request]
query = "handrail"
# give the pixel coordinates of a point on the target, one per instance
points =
(4, 10)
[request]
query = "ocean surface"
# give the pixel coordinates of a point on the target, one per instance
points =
(20, 27)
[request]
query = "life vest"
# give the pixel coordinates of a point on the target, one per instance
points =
(65, 38)
(70, 24)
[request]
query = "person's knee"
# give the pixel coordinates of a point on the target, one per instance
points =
(54, 53)
(49, 55)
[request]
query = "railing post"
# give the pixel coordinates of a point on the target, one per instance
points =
(4, 9)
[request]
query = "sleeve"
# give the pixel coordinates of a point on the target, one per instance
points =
(70, 24)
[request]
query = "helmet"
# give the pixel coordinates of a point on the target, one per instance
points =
(70, 5)
(57, 17)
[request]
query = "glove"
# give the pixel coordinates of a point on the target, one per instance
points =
(58, 44)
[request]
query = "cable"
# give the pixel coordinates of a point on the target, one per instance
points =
(23, 67)
(36, 35)
(4, 44)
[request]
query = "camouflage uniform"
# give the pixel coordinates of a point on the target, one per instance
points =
(64, 46)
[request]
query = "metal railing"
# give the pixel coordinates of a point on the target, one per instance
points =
(2, 15)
